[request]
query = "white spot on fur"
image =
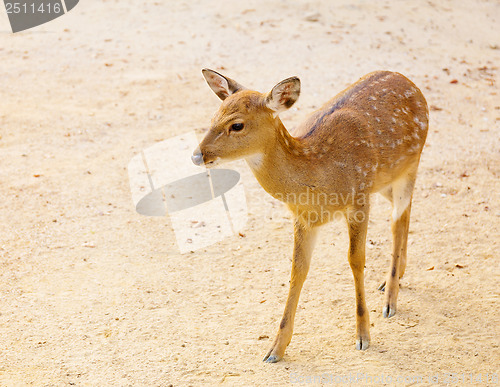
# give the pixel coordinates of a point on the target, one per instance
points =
(372, 98)
(377, 119)
(374, 107)
(419, 123)
(414, 148)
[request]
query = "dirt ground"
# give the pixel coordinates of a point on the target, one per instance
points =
(94, 294)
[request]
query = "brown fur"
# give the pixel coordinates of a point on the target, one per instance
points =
(366, 139)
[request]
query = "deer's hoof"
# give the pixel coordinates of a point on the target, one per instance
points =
(272, 359)
(362, 344)
(389, 311)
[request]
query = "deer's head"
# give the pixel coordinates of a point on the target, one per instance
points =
(246, 121)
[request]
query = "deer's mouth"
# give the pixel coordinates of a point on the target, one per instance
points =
(213, 163)
(199, 159)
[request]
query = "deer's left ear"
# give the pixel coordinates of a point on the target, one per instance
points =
(221, 85)
(283, 95)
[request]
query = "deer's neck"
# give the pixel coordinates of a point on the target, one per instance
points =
(283, 165)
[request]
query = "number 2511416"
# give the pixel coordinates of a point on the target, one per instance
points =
(32, 8)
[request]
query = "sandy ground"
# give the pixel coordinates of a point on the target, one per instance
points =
(92, 293)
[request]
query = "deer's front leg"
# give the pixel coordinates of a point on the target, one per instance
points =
(304, 238)
(357, 223)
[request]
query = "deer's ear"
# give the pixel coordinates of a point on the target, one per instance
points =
(283, 95)
(221, 85)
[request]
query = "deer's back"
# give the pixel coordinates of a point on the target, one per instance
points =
(374, 129)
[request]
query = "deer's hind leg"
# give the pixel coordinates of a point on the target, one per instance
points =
(357, 224)
(400, 195)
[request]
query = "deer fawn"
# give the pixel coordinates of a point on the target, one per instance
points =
(367, 139)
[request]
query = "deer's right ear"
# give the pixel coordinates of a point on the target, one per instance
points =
(221, 85)
(283, 95)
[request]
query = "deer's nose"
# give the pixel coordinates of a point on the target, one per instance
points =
(197, 157)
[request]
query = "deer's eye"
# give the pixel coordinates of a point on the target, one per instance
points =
(237, 127)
